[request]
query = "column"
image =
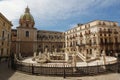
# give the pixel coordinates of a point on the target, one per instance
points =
(74, 62)
(66, 57)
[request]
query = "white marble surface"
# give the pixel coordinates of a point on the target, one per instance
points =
(109, 60)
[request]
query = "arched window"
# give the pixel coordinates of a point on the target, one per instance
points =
(27, 33)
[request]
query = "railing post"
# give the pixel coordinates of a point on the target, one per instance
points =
(32, 69)
(116, 54)
(117, 65)
(97, 68)
(64, 74)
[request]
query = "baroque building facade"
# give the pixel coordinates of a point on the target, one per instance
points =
(26, 39)
(5, 36)
(50, 40)
(93, 38)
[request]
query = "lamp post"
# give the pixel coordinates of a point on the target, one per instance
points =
(116, 54)
(64, 74)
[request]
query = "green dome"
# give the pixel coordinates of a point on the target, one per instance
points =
(26, 17)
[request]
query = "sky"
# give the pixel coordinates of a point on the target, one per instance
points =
(61, 15)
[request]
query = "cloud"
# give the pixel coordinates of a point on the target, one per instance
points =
(12, 8)
(52, 12)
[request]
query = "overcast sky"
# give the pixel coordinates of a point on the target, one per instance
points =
(60, 15)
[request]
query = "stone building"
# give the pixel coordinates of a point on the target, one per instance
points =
(91, 38)
(26, 39)
(94, 37)
(5, 33)
(51, 40)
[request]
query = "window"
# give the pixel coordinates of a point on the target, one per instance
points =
(116, 40)
(88, 25)
(99, 23)
(101, 40)
(46, 46)
(8, 37)
(3, 34)
(60, 46)
(27, 25)
(114, 24)
(39, 46)
(80, 41)
(104, 34)
(94, 40)
(100, 29)
(110, 40)
(1, 51)
(105, 40)
(7, 51)
(53, 46)
(104, 23)
(3, 23)
(89, 31)
(27, 33)
(2, 43)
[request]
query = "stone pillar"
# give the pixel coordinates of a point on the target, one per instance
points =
(55, 50)
(40, 55)
(17, 47)
(20, 56)
(85, 54)
(96, 53)
(104, 59)
(74, 62)
(77, 50)
(34, 56)
(48, 56)
(15, 57)
(66, 56)
(46, 50)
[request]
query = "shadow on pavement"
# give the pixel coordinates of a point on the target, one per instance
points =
(5, 71)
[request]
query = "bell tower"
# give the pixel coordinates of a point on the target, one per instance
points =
(26, 34)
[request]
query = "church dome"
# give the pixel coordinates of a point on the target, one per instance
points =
(26, 18)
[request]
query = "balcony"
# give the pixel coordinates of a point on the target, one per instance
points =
(109, 43)
(102, 31)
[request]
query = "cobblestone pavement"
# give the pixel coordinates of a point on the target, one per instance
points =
(8, 74)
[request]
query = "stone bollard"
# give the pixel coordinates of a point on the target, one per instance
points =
(34, 56)
(104, 59)
(74, 62)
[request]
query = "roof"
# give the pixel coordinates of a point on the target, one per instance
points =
(3, 17)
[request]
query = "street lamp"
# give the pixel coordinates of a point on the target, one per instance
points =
(116, 54)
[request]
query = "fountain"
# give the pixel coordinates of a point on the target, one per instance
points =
(60, 58)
